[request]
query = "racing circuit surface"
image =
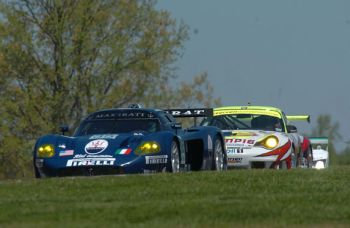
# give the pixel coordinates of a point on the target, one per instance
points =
(238, 197)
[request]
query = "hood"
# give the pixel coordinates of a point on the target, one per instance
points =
(99, 145)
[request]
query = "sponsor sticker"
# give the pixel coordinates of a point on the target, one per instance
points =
(90, 162)
(66, 153)
(240, 142)
(92, 156)
(190, 112)
(235, 150)
(244, 134)
(96, 146)
(158, 159)
(234, 160)
(123, 151)
(104, 136)
(244, 110)
(123, 114)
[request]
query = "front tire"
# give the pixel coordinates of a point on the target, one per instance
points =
(219, 158)
(174, 158)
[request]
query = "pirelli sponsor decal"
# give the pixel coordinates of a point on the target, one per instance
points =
(158, 159)
(90, 162)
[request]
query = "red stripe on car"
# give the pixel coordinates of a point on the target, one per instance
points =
(281, 151)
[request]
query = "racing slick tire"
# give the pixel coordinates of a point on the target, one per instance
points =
(174, 158)
(219, 158)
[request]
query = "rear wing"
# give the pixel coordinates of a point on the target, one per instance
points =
(299, 118)
(198, 112)
(190, 112)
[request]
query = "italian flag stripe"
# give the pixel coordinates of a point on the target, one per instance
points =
(124, 151)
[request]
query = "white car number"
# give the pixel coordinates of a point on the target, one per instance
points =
(234, 150)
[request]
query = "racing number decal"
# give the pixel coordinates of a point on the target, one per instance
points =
(234, 150)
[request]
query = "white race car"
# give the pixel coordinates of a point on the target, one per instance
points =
(320, 152)
(258, 136)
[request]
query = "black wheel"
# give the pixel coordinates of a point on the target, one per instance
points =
(174, 158)
(219, 158)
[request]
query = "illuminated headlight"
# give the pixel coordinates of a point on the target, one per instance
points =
(269, 142)
(46, 151)
(319, 165)
(148, 148)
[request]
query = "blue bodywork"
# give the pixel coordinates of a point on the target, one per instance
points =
(97, 149)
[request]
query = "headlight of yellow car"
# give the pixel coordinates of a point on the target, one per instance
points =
(269, 142)
(148, 147)
(46, 151)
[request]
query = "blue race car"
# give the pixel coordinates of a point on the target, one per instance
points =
(131, 140)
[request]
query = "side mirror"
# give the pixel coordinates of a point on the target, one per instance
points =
(176, 126)
(292, 129)
(64, 128)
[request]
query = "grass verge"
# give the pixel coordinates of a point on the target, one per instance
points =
(261, 198)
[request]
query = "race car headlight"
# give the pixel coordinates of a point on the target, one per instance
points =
(269, 142)
(46, 151)
(148, 148)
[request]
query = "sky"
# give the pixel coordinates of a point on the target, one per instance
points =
(292, 54)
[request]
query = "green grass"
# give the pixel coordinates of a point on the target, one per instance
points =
(238, 197)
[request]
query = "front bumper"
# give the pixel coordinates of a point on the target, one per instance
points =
(257, 157)
(96, 166)
(248, 161)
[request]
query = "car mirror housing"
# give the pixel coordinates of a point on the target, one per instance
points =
(292, 129)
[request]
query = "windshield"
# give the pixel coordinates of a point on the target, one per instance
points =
(245, 121)
(91, 127)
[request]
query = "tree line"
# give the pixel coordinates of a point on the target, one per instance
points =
(326, 128)
(63, 59)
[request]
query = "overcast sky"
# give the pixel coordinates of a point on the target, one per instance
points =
(293, 54)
